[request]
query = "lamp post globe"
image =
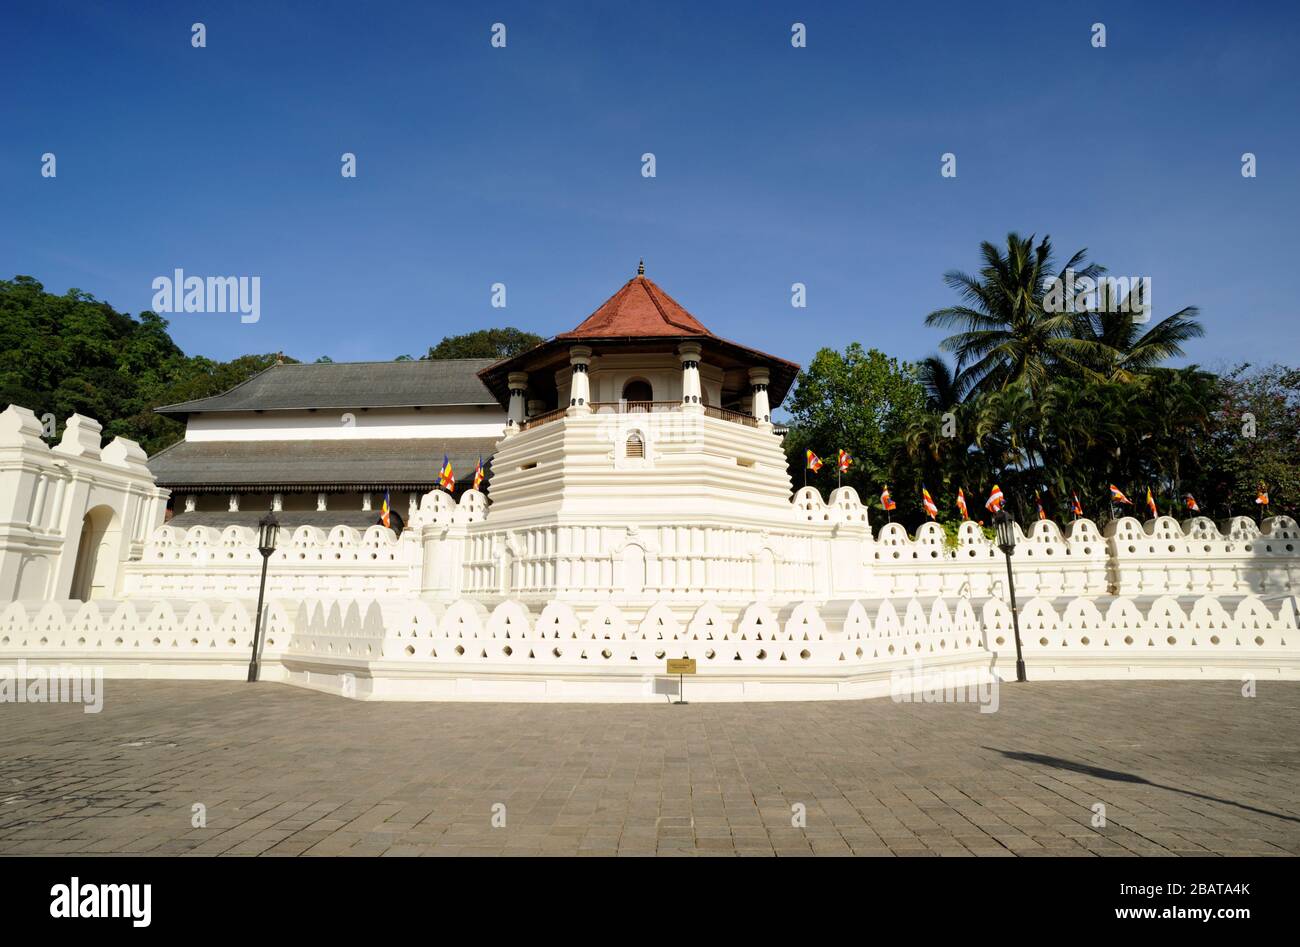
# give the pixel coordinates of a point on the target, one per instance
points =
(1006, 530)
(267, 529)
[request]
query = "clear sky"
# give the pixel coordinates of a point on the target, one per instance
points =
(523, 165)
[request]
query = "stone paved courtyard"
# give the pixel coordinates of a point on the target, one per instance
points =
(1182, 768)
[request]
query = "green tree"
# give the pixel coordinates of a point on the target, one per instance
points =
(861, 401)
(1253, 439)
(1109, 345)
(74, 353)
(1005, 336)
(485, 343)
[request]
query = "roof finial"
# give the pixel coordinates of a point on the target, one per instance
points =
(640, 269)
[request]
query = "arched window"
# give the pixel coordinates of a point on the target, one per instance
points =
(638, 392)
(634, 447)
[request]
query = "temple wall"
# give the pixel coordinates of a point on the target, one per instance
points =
(72, 515)
(385, 648)
(797, 600)
(821, 552)
(203, 562)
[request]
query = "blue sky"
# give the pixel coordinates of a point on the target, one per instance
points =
(522, 165)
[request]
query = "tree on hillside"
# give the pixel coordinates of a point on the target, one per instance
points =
(485, 343)
(74, 353)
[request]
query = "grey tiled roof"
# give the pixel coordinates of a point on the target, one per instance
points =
(351, 385)
(353, 464)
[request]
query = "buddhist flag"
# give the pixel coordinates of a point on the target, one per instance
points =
(1042, 514)
(886, 500)
(1191, 503)
(446, 479)
(927, 501)
(384, 510)
(1151, 504)
(478, 474)
(845, 461)
(961, 504)
(1117, 495)
(1075, 506)
(814, 462)
(995, 500)
(1262, 497)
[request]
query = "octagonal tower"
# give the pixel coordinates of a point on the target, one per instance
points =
(639, 462)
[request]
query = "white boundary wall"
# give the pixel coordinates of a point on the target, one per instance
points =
(73, 514)
(370, 648)
(790, 602)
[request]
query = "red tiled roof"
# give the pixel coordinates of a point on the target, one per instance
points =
(639, 310)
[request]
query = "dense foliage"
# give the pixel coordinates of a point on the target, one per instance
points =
(1050, 403)
(485, 343)
(74, 353)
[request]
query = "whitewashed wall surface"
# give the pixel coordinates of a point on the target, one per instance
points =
(784, 599)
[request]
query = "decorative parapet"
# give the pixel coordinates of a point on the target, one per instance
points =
(203, 562)
(1164, 636)
(144, 638)
(1163, 556)
(405, 647)
(467, 638)
(844, 507)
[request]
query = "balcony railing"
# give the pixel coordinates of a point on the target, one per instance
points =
(725, 414)
(634, 407)
(642, 407)
(540, 419)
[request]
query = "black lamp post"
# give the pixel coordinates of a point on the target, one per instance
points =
(1006, 527)
(267, 527)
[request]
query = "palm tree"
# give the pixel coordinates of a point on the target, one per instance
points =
(944, 385)
(1179, 406)
(1005, 336)
(1110, 345)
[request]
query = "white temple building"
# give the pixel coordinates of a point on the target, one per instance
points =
(323, 442)
(638, 508)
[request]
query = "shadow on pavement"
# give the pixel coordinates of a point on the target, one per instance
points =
(1116, 776)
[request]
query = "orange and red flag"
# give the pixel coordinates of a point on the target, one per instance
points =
(995, 500)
